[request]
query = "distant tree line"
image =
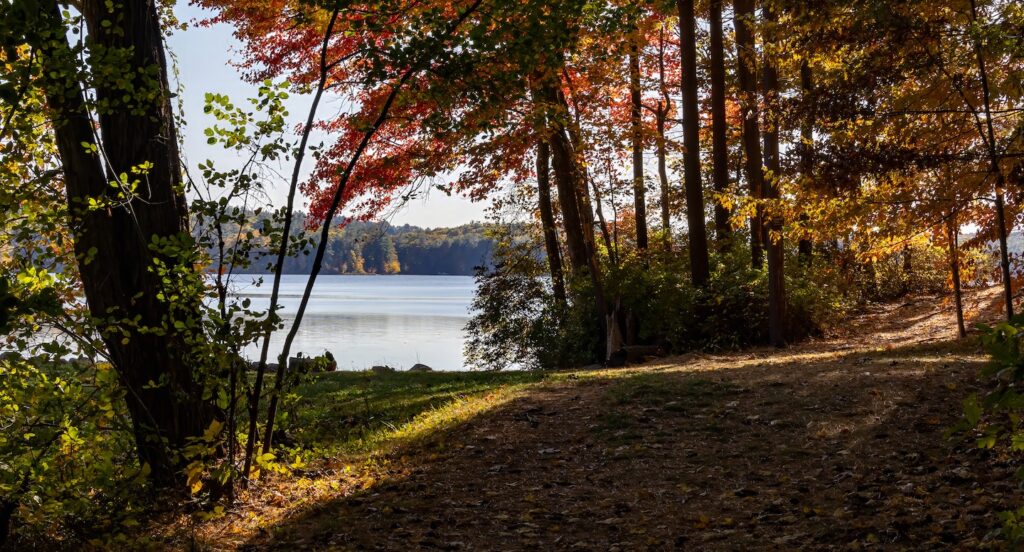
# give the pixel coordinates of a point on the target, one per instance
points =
(380, 248)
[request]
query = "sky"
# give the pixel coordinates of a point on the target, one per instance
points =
(203, 57)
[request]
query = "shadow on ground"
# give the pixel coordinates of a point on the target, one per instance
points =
(807, 448)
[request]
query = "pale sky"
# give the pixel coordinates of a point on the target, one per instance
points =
(203, 60)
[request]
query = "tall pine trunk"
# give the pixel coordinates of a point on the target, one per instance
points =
(719, 145)
(699, 269)
(746, 55)
(113, 244)
(774, 228)
(637, 137)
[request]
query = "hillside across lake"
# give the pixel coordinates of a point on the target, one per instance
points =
(358, 247)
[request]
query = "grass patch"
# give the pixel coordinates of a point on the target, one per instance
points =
(348, 413)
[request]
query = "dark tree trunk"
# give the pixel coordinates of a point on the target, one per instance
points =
(547, 220)
(805, 247)
(112, 244)
(699, 268)
(719, 145)
(577, 213)
(661, 115)
(581, 251)
(954, 269)
(568, 199)
(666, 199)
(773, 233)
(639, 195)
(743, 13)
(1004, 257)
(582, 182)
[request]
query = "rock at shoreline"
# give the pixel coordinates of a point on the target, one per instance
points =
(420, 368)
(382, 369)
(255, 365)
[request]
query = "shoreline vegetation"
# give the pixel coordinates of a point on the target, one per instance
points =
(360, 247)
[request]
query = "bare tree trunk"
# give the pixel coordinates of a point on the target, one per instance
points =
(639, 195)
(547, 220)
(699, 268)
(719, 127)
(332, 211)
(773, 235)
(571, 181)
(113, 244)
(282, 251)
(805, 247)
(743, 13)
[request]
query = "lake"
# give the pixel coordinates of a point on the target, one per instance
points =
(366, 320)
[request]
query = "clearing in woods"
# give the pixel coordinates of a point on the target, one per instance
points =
(833, 444)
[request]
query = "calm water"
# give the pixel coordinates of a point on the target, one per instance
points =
(367, 320)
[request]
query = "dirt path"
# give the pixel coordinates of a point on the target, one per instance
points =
(836, 444)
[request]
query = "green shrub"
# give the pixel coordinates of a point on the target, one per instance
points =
(995, 420)
(517, 322)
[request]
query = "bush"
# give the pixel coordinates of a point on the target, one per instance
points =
(995, 420)
(518, 323)
(68, 471)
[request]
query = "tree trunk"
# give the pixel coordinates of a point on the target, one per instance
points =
(282, 252)
(719, 145)
(113, 244)
(1004, 257)
(743, 16)
(699, 268)
(639, 195)
(954, 268)
(805, 247)
(577, 213)
(773, 233)
(995, 169)
(666, 199)
(565, 182)
(547, 220)
(661, 115)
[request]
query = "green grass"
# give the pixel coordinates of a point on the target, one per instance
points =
(349, 413)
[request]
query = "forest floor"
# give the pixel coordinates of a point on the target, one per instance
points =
(838, 443)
